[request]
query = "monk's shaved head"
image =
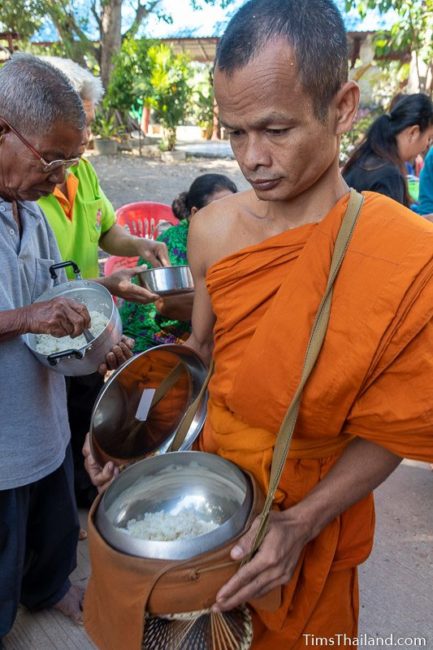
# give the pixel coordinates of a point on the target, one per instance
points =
(313, 28)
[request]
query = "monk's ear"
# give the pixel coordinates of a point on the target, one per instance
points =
(346, 105)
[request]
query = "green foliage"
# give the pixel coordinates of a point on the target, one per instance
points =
(71, 20)
(129, 82)
(202, 100)
(411, 32)
(169, 92)
(152, 74)
(105, 124)
(23, 17)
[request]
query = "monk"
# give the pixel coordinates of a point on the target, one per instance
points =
(260, 261)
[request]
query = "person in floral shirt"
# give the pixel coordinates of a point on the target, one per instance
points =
(168, 320)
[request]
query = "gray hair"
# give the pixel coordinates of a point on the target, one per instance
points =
(34, 96)
(88, 86)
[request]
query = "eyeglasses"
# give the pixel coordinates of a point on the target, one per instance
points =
(46, 166)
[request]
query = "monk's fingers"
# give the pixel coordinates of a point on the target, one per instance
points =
(245, 543)
(255, 587)
(274, 562)
(261, 563)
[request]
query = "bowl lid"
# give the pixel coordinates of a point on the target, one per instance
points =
(140, 408)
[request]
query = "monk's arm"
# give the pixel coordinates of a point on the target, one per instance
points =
(203, 319)
(362, 467)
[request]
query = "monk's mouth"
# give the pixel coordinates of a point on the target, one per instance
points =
(264, 185)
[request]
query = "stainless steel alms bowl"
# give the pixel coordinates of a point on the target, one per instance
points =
(167, 280)
(214, 488)
(121, 432)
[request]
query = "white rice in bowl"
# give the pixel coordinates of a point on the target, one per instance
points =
(164, 527)
(47, 344)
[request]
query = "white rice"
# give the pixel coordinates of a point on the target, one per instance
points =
(161, 526)
(47, 344)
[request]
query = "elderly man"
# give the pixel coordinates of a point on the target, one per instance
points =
(42, 127)
(261, 261)
(83, 220)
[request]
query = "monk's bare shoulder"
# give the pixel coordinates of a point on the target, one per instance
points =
(217, 230)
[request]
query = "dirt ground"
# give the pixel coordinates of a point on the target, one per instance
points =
(126, 178)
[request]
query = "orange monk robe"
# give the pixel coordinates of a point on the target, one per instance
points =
(373, 379)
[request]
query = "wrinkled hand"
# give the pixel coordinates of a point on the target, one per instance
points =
(154, 252)
(101, 477)
(58, 317)
(119, 284)
(271, 566)
(117, 355)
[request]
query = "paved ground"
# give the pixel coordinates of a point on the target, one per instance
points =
(396, 583)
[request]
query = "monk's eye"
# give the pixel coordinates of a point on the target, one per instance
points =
(277, 131)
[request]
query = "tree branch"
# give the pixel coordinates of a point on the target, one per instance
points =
(141, 12)
(96, 15)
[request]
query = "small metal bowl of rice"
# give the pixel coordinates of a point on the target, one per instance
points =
(175, 506)
(167, 280)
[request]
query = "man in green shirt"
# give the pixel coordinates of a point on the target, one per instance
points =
(81, 216)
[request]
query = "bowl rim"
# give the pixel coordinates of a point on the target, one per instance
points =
(30, 338)
(174, 549)
(182, 351)
(165, 269)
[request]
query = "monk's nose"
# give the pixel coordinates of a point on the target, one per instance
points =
(255, 153)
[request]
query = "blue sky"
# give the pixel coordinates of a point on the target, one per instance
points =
(207, 22)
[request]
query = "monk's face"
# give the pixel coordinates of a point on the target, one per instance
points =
(282, 148)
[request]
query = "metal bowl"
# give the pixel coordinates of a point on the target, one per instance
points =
(213, 488)
(167, 280)
(86, 359)
(129, 422)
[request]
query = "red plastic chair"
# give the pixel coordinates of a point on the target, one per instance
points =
(115, 262)
(142, 218)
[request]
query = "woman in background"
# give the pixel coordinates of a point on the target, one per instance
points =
(378, 163)
(168, 320)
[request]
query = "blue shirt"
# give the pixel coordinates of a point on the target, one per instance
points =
(425, 199)
(34, 428)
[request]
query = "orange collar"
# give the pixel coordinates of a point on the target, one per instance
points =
(67, 202)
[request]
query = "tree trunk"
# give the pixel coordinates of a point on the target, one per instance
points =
(111, 36)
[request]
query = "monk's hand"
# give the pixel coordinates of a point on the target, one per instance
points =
(118, 354)
(101, 477)
(176, 307)
(273, 564)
